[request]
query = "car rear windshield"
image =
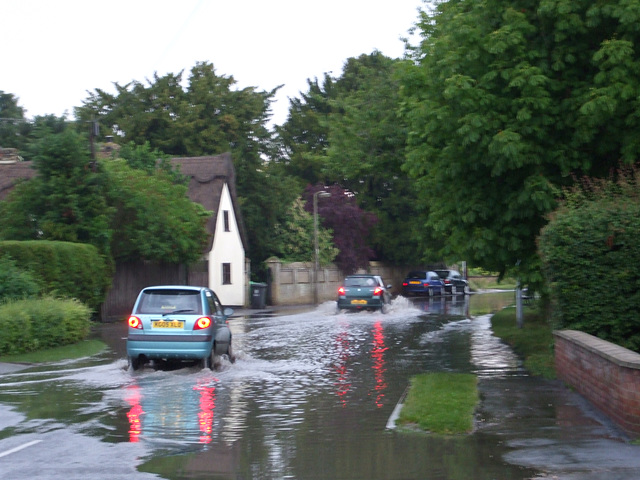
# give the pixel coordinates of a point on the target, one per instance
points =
(359, 282)
(168, 301)
(418, 275)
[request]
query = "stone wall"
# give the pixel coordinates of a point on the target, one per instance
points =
(606, 374)
(292, 283)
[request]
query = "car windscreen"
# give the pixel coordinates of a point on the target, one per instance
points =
(417, 275)
(168, 301)
(359, 282)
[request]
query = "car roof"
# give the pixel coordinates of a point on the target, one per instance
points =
(176, 287)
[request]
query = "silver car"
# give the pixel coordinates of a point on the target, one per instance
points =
(178, 323)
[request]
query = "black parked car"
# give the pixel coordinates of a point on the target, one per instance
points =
(454, 282)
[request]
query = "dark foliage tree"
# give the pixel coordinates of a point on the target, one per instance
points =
(304, 138)
(367, 141)
(350, 225)
(347, 131)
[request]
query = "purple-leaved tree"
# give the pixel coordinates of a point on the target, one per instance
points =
(350, 224)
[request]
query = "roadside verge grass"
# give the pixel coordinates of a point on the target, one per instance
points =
(82, 349)
(441, 403)
(534, 342)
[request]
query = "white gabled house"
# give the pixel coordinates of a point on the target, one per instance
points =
(212, 183)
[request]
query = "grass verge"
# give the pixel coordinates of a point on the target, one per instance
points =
(534, 342)
(85, 348)
(489, 283)
(441, 403)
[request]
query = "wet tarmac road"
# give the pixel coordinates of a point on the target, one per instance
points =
(309, 398)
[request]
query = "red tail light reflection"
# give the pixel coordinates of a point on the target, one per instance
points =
(205, 415)
(379, 362)
(133, 415)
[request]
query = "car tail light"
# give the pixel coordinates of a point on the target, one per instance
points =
(341, 291)
(377, 292)
(405, 284)
(202, 323)
(135, 322)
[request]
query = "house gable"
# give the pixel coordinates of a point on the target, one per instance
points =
(207, 177)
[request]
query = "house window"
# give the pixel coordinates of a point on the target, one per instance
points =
(226, 274)
(226, 221)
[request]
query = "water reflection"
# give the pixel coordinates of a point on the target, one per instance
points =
(176, 407)
(378, 362)
(343, 384)
(445, 305)
(133, 398)
(309, 397)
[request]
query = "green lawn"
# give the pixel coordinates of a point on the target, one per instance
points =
(441, 403)
(533, 342)
(86, 348)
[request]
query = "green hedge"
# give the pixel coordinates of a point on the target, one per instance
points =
(63, 269)
(29, 325)
(591, 255)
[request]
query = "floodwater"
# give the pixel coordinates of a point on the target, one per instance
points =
(310, 397)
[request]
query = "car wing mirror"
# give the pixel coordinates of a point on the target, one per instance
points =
(228, 311)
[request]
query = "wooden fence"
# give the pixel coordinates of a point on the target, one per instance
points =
(132, 277)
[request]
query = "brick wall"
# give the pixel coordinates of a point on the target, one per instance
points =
(606, 374)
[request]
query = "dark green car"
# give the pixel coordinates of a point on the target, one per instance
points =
(364, 292)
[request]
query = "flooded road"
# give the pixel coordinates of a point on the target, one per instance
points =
(309, 397)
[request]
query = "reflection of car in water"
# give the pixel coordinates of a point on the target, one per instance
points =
(178, 323)
(364, 292)
(422, 282)
(456, 306)
(187, 418)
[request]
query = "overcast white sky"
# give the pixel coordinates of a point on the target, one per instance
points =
(53, 52)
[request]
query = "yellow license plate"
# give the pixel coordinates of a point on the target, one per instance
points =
(358, 302)
(413, 282)
(167, 324)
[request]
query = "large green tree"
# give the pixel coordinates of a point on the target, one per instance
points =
(67, 199)
(367, 140)
(346, 131)
(208, 116)
(154, 219)
(304, 137)
(505, 101)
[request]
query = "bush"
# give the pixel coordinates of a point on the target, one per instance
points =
(590, 252)
(33, 324)
(63, 269)
(14, 282)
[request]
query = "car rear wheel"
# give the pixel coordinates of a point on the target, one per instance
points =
(232, 357)
(134, 363)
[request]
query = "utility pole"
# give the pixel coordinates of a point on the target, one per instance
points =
(316, 250)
